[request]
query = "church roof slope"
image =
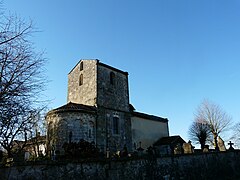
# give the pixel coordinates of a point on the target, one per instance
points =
(150, 117)
(75, 107)
(113, 68)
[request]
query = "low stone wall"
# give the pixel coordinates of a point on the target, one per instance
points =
(221, 165)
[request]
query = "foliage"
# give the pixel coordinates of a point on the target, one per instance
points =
(21, 80)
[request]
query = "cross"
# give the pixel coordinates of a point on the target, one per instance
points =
(230, 144)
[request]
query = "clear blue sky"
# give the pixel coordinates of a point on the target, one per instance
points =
(177, 52)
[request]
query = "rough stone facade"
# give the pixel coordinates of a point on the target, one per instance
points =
(106, 137)
(113, 104)
(72, 125)
(113, 95)
(87, 92)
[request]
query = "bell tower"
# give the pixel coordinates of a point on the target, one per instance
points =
(96, 84)
(93, 83)
(82, 83)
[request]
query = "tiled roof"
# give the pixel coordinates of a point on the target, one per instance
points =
(75, 107)
(169, 140)
(151, 117)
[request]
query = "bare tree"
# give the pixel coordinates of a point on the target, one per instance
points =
(236, 134)
(200, 133)
(217, 120)
(21, 80)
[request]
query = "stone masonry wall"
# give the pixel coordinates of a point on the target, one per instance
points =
(82, 126)
(113, 101)
(221, 166)
(105, 135)
(87, 92)
(114, 96)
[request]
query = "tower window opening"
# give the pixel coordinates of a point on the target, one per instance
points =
(81, 80)
(81, 66)
(112, 78)
(115, 125)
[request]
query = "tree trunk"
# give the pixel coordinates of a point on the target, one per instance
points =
(215, 141)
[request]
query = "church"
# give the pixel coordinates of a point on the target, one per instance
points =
(98, 110)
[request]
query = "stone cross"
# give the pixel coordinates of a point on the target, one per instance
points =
(231, 144)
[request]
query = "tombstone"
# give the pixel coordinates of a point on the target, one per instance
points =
(9, 162)
(124, 152)
(221, 144)
(26, 156)
(188, 148)
(140, 149)
(150, 151)
(134, 146)
(177, 149)
(206, 149)
(230, 144)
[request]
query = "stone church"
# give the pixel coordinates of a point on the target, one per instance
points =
(98, 110)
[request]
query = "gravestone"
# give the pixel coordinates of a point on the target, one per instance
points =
(221, 144)
(140, 149)
(178, 149)
(26, 156)
(231, 146)
(188, 148)
(206, 148)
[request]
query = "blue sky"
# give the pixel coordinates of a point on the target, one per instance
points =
(177, 53)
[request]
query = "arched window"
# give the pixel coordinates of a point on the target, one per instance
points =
(81, 66)
(81, 80)
(115, 125)
(112, 78)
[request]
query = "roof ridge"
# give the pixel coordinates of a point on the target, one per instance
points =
(71, 106)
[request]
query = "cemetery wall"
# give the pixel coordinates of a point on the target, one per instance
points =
(222, 165)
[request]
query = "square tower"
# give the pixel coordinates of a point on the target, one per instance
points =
(96, 84)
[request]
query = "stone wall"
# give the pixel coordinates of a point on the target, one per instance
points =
(222, 165)
(105, 131)
(147, 131)
(115, 95)
(87, 92)
(82, 125)
(113, 102)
